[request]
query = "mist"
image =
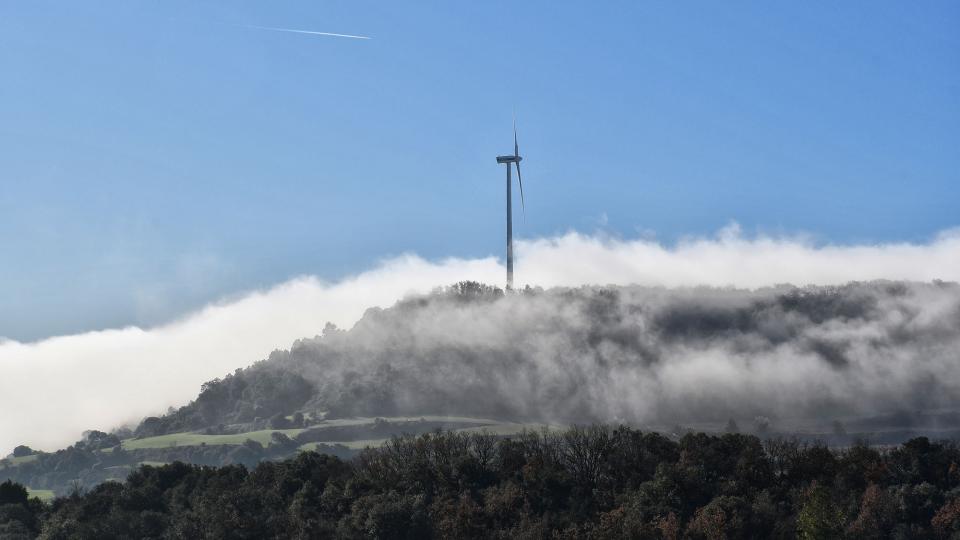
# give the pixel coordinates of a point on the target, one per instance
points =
(902, 344)
(646, 355)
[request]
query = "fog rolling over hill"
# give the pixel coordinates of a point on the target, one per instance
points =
(650, 356)
(105, 378)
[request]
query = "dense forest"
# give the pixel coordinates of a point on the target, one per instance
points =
(584, 482)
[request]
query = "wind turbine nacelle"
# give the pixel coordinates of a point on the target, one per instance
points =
(508, 159)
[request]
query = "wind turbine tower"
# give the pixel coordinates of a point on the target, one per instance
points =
(508, 161)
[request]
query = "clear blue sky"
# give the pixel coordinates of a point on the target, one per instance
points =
(156, 155)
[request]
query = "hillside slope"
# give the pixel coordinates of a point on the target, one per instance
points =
(633, 354)
(874, 360)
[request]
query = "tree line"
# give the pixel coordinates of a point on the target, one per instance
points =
(593, 482)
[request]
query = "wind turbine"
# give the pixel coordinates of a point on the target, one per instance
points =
(515, 158)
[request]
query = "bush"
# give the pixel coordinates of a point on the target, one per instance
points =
(23, 450)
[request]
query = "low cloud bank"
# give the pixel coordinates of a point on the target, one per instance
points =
(51, 390)
(657, 356)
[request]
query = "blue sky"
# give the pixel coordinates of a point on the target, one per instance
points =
(158, 155)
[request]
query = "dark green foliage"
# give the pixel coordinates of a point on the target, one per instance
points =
(22, 450)
(592, 482)
(98, 440)
(265, 390)
(11, 493)
(19, 515)
(820, 517)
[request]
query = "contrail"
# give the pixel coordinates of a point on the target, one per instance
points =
(295, 31)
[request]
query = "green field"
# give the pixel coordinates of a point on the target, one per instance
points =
(263, 436)
(14, 461)
(42, 494)
(196, 439)
(364, 420)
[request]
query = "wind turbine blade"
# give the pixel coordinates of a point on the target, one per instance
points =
(522, 205)
(516, 147)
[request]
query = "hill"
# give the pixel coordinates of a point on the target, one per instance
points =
(636, 354)
(866, 360)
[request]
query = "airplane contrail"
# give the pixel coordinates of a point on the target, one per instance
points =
(295, 31)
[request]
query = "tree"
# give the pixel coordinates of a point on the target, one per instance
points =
(877, 513)
(13, 493)
(280, 444)
(330, 329)
(820, 518)
(304, 514)
(669, 527)
(279, 421)
(708, 522)
(97, 440)
(946, 522)
(150, 427)
(732, 426)
(23, 450)
(598, 482)
(18, 514)
(387, 515)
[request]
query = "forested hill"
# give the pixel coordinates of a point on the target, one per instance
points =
(642, 355)
(866, 361)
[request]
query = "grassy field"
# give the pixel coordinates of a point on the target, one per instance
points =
(263, 436)
(196, 439)
(364, 420)
(42, 494)
(14, 461)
